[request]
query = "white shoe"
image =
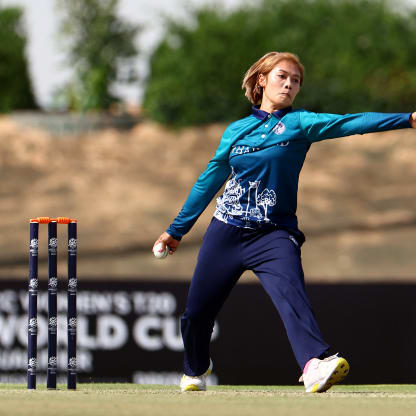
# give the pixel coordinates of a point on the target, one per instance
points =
(197, 383)
(323, 374)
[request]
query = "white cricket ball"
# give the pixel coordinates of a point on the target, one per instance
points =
(160, 254)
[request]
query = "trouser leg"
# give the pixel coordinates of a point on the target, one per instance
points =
(217, 270)
(279, 269)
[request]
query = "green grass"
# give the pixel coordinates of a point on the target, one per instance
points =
(143, 400)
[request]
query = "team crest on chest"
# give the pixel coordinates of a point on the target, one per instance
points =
(279, 128)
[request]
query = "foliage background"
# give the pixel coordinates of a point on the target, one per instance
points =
(16, 88)
(101, 48)
(359, 56)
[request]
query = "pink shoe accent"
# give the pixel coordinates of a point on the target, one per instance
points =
(305, 369)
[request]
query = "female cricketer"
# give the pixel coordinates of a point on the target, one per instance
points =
(255, 225)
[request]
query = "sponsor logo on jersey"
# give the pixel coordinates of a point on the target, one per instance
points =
(279, 128)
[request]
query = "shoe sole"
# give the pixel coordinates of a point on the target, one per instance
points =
(191, 387)
(340, 372)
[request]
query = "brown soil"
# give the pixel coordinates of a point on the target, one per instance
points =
(356, 200)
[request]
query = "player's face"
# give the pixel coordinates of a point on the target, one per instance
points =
(280, 86)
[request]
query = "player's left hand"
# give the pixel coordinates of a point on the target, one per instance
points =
(413, 120)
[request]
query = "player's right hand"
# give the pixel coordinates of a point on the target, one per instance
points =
(167, 240)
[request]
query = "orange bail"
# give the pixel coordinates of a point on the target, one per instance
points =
(41, 220)
(65, 220)
(47, 220)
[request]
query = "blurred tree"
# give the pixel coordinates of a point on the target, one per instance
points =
(16, 88)
(359, 56)
(101, 51)
(196, 71)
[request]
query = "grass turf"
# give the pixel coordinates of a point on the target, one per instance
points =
(154, 400)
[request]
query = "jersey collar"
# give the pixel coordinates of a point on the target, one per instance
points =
(262, 115)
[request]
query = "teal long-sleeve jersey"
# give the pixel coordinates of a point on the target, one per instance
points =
(262, 155)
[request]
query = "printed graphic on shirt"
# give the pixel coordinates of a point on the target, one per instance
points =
(229, 206)
(266, 199)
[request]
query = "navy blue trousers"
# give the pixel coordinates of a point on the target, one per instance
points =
(274, 256)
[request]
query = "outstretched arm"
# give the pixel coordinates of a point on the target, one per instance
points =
(323, 126)
(413, 120)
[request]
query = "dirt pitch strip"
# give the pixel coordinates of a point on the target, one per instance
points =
(143, 400)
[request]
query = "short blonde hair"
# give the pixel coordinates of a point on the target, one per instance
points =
(263, 66)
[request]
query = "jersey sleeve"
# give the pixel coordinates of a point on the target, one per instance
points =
(204, 189)
(322, 126)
